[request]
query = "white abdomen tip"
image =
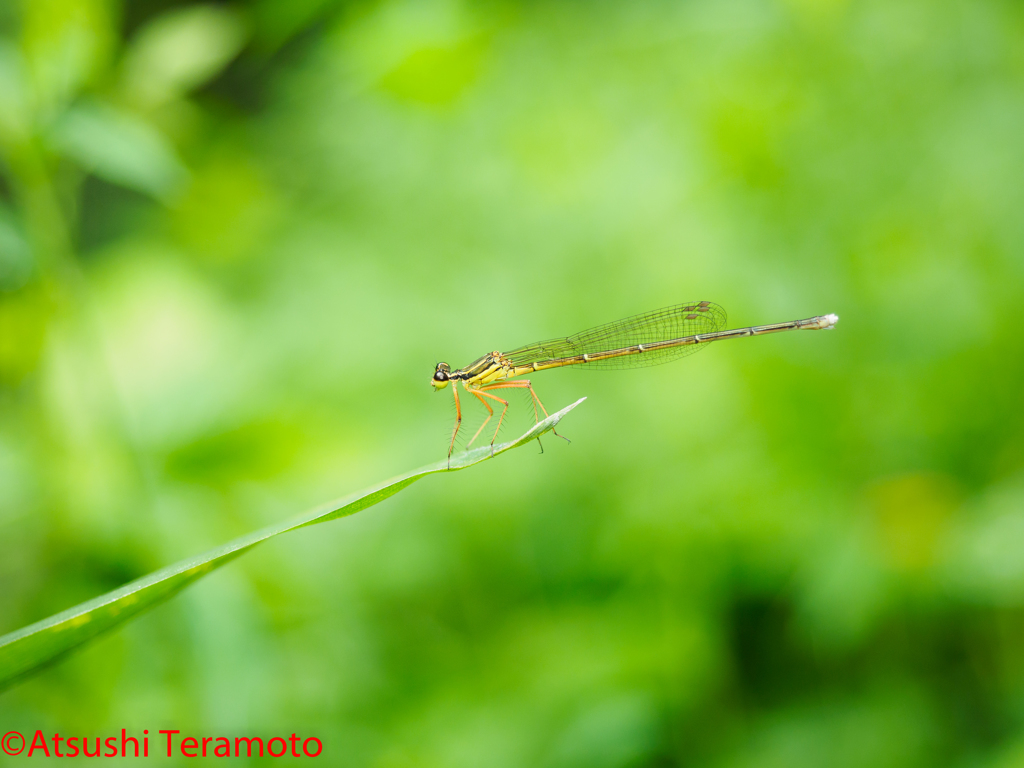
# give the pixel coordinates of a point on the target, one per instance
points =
(831, 320)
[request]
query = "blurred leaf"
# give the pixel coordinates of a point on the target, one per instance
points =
(276, 22)
(119, 147)
(984, 550)
(435, 75)
(913, 512)
(67, 43)
(15, 115)
(28, 649)
(258, 450)
(23, 323)
(426, 52)
(618, 731)
(180, 51)
(228, 209)
(15, 253)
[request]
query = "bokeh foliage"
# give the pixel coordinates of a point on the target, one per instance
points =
(26, 651)
(235, 238)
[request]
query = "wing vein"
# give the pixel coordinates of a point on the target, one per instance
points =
(675, 322)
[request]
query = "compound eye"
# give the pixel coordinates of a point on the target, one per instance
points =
(440, 376)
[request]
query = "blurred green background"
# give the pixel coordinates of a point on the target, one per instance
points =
(236, 238)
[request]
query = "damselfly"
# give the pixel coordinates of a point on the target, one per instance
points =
(648, 339)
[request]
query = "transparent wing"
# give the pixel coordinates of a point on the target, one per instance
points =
(673, 322)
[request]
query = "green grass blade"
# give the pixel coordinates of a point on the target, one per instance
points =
(27, 650)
